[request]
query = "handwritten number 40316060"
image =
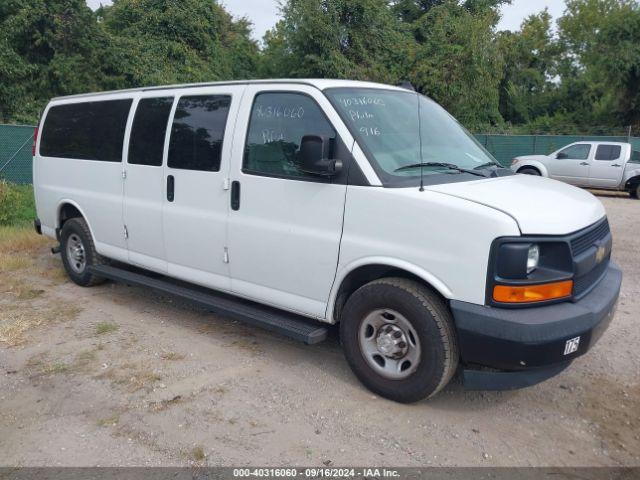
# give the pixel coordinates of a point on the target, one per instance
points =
(370, 131)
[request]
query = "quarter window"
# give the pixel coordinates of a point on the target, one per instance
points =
(198, 132)
(276, 127)
(86, 131)
(608, 152)
(146, 144)
(575, 152)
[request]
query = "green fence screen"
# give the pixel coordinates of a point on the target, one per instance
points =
(16, 141)
(15, 153)
(506, 147)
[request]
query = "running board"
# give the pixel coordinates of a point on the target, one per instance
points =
(285, 323)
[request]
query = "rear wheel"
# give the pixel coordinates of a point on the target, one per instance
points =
(79, 253)
(529, 171)
(399, 339)
(634, 191)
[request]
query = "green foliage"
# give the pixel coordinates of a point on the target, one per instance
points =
(337, 39)
(458, 63)
(583, 73)
(17, 206)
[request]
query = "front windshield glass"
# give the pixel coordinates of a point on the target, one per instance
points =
(385, 124)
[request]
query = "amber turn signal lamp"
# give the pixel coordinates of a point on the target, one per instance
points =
(532, 293)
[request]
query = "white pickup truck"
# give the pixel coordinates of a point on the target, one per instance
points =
(606, 165)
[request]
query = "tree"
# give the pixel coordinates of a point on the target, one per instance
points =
(457, 61)
(48, 48)
(154, 42)
(337, 39)
(601, 61)
(530, 56)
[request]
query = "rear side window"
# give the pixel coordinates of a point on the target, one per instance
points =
(608, 152)
(276, 127)
(146, 144)
(86, 131)
(198, 131)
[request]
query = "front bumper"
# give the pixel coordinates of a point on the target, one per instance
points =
(534, 342)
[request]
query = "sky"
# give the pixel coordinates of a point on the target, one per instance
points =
(264, 13)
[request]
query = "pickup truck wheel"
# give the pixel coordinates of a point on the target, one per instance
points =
(529, 171)
(78, 252)
(399, 339)
(635, 191)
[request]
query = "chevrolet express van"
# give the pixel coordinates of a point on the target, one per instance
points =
(296, 204)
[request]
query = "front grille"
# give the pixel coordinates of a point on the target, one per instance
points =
(584, 283)
(584, 241)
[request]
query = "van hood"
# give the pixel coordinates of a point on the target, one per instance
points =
(539, 205)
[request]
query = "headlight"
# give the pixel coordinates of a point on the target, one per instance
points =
(533, 258)
(526, 270)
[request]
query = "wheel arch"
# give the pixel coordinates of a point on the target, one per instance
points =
(633, 180)
(363, 271)
(536, 166)
(68, 209)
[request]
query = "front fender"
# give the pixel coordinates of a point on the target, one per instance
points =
(391, 262)
(535, 164)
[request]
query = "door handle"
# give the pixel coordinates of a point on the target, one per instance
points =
(615, 165)
(171, 185)
(235, 195)
(584, 163)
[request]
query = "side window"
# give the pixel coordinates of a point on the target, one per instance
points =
(276, 127)
(575, 152)
(608, 152)
(86, 131)
(198, 132)
(148, 131)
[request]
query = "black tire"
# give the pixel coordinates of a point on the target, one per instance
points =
(634, 191)
(529, 171)
(73, 231)
(429, 318)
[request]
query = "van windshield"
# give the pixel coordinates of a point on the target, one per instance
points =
(386, 125)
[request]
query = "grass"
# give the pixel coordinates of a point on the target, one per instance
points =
(110, 421)
(103, 328)
(17, 204)
(171, 356)
(19, 246)
(198, 453)
(17, 320)
(55, 368)
(132, 376)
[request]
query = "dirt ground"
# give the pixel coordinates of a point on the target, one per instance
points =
(116, 375)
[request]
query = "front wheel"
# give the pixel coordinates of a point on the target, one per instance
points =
(399, 339)
(635, 191)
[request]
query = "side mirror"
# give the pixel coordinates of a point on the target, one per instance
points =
(315, 151)
(562, 156)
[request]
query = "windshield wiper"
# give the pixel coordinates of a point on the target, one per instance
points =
(488, 164)
(449, 166)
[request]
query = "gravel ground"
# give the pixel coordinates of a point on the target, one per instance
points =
(116, 375)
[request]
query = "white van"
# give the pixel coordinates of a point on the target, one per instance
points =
(295, 204)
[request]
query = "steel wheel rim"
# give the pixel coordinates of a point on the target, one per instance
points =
(389, 344)
(76, 253)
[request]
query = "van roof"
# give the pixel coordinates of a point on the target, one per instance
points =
(319, 83)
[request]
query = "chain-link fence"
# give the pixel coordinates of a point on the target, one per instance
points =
(16, 141)
(15, 153)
